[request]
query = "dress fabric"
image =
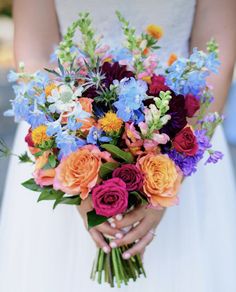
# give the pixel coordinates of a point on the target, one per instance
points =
(42, 250)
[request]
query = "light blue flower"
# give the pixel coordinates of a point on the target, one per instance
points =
(131, 94)
(36, 118)
(12, 76)
(20, 108)
(121, 54)
(96, 135)
(54, 128)
(68, 143)
(72, 124)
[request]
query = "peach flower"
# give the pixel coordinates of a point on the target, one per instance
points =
(78, 172)
(44, 177)
(161, 179)
(86, 104)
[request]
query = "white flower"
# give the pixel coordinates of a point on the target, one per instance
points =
(63, 99)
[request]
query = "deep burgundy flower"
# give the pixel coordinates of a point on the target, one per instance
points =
(157, 85)
(178, 116)
(192, 105)
(112, 72)
(131, 175)
(115, 71)
(110, 198)
(186, 142)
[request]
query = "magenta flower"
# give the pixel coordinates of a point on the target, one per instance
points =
(110, 198)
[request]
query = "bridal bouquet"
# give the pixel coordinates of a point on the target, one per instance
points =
(117, 125)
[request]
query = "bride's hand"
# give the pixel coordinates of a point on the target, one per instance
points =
(143, 233)
(97, 233)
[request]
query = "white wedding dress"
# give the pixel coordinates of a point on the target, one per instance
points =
(195, 249)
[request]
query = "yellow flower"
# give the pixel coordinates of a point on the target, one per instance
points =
(39, 135)
(110, 123)
(155, 31)
(49, 88)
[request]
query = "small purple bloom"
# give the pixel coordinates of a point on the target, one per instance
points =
(214, 157)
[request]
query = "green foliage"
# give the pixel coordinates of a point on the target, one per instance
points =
(117, 153)
(64, 49)
(24, 158)
(50, 194)
(213, 47)
(4, 149)
(68, 200)
(31, 185)
(94, 219)
(88, 36)
(107, 168)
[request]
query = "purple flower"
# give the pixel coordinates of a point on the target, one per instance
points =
(214, 157)
(178, 116)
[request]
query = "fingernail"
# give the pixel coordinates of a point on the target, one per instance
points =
(110, 220)
(126, 229)
(119, 217)
(119, 235)
(113, 225)
(126, 255)
(106, 249)
(113, 244)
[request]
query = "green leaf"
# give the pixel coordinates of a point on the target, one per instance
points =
(50, 194)
(24, 158)
(116, 152)
(31, 185)
(107, 168)
(94, 219)
(73, 200)
(52, 160)
(141, 198)
(38, 154)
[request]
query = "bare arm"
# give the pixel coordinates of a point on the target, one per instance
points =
(36, 32)
(216, 18)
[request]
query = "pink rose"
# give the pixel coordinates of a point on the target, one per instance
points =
(44, 177)
(110, 198)
(131, 175)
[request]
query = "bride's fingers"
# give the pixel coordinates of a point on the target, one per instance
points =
(106, 229)
(139, 247)
(130, 218)
(99, 240)
(134, 234)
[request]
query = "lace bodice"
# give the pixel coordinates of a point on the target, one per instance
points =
(175, 16)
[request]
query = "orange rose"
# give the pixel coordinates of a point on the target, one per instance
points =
(86, 104)
(161, 181)
(78, 172)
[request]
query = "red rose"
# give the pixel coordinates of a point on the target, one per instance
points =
(131, 175)
(192, 105)
(157, 85)
(110, 198)
(28, 138)
(186, 142)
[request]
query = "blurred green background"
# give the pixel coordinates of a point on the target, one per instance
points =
(8, 127)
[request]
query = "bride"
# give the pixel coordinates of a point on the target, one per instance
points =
(195, 245)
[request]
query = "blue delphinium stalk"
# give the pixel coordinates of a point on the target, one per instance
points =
(189, 75)
(131, 94)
